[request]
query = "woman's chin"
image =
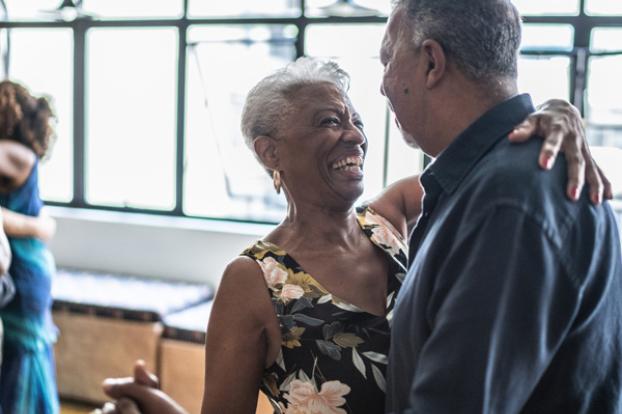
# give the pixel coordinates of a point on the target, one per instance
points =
(351, 194)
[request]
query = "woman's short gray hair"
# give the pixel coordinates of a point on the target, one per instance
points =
(269, 100)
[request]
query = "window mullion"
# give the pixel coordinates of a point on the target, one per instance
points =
(79, 67)
(181, 115)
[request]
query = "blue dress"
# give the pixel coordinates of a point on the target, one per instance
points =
(27, 377)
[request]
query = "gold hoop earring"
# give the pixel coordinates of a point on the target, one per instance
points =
(276, 180)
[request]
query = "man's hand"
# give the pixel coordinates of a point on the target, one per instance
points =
(138, 394)
(561, 125)
(122, 406)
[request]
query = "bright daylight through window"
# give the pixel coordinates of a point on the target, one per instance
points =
(149, 93)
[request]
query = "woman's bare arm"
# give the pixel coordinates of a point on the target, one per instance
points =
(16, 163)
(400, 203)
(236, 351)
(239, 345)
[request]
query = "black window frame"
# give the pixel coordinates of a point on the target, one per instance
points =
(579, 55)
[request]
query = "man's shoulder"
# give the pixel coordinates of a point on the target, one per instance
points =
(509, 175)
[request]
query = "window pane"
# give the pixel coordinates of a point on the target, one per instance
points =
(42, 60)
(133, 8)
(222, 177)
(606, 39)
(243, 8)
(352, 8)
(361, 61)
(604, 117)
(547, 37)
(603, 95)
(548, 7)
(606, 148)
(544, 77)
(31, 9)
(603, 7)
(131, 111)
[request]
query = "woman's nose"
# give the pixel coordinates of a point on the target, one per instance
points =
(354, 135)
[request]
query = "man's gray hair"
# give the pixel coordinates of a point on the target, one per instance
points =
(269, 101)
(482, 37)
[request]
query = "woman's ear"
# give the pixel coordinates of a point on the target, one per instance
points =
(267, 151)
(434, 54)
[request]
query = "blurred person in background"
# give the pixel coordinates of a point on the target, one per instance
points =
(7, 288)
(27, 377)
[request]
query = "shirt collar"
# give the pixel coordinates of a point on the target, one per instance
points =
(457, 160)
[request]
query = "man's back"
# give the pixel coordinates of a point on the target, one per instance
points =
(514, 299)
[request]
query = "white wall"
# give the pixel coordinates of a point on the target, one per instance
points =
(160, 247)
(153, 246)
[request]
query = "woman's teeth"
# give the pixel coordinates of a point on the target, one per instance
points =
(348, 164)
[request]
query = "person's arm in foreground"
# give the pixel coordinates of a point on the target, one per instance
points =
(492, 337)
(236, 351)
(16, 163)
(18, 225)
(556, 120)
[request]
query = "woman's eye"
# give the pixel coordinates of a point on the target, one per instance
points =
(359, 124)
(331, 121)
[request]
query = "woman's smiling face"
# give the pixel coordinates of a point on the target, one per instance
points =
(322, 147)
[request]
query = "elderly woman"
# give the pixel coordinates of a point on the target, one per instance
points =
(304, 314)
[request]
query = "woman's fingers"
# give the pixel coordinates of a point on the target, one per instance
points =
(525, 130)
(576, 165)
(594, 181)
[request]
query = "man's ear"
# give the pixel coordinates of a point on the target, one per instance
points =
(433, 53)
(267, 151)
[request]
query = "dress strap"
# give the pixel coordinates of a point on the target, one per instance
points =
(383, 234)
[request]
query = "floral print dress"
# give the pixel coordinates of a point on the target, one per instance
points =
(333, 356)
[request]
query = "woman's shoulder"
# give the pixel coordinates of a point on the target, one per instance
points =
(242, 283)
(241, 267)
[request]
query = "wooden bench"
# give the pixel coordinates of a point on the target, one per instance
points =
(106, 322)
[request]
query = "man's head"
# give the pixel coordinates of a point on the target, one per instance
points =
(437, 50)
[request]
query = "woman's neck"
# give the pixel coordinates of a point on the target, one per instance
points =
(318, 227)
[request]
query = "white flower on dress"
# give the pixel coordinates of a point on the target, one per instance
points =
(290, 292)
(371, 218)
(382, 235)
(273, 272)
(304, 398)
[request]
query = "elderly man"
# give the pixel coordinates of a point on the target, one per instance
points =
(513, 302)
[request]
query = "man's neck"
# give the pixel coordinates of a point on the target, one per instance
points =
(455, 112)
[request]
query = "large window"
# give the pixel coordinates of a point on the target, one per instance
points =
(149, 93)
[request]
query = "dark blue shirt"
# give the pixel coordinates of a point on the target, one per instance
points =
(513, 302)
